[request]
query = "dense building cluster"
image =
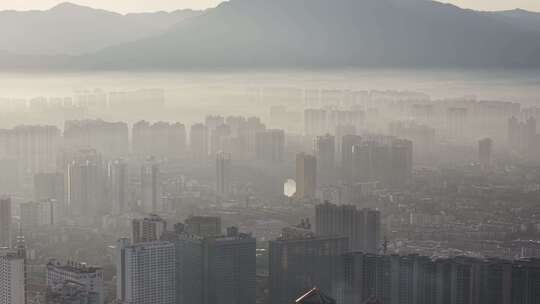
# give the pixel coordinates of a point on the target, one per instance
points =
(412, 200)
(194, 263)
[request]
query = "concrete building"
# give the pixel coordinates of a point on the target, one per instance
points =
(325, 152)
(145, 272)
(69, 293)
(218, 269)
(110, 139)
(415, 279)
(118, 177)
(423, 137)
(5, 221)
(151, 187)
(38, 214)
(306, 176)
(198, 141)
(299, 261)
(270, 145)
(148, 229)
(315, 122)
(218, 136)
(160, 139)
(342, 130)
(361, 227)
(86, 183)
(34, 149)
(87, 280)
(347, 165)
(12, 277)
(388, 162)
(204, 226)
(223, 174)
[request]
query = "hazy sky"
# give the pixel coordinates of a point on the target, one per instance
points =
(153, 5)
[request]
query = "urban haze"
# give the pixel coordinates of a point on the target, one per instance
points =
(270, 152)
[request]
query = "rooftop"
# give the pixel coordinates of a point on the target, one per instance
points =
(73, 266)
(314, 296)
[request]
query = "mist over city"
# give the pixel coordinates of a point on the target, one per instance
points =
(270, 152)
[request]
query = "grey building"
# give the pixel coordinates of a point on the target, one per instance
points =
(145, 272)
(414, 279)
(361, 227)
(297, 262)
(216, 269)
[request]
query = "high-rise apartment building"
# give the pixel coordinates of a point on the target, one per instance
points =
(217, 269)
(86, 183)
(187, 268)
(514, 130)
(213, 121)
(141, 138)
(111, 139)
(270, 145)
(347, 164)
(423, 137)
(151, 186)
(198, 141)
(148, 229)
(315, 122)
(522, 137)
(485, 147)
(37, 214)
(423, 280)
(34, 149)
(387, 162)
(325, 152)
(12, 277)
(177, 140)
(145, 272)
(342, 130)
(218, 136)
(401, 159)
(161, 139)
(230, 269)
(204, 226)
(248, 133)
(223, 174)
(306, 176)
(457, 118)
(118, 177)
(298, 262)
(5, 221)
(86, 279)
(361, 227)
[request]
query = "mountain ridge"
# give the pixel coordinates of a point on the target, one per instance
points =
(323, 33)
(73, 29)
(326, 33)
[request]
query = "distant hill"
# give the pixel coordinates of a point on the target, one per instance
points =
(72, 29)
(331, 33)
(326, 33)
(518, 17)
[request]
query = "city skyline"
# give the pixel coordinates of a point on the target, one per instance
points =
(142, 250)
(270, 152)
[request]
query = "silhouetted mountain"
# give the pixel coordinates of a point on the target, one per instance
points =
(518, 17)
(72, 29)
(328, 33)
(331, 33)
